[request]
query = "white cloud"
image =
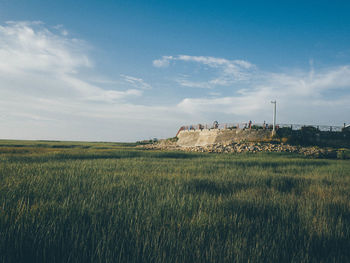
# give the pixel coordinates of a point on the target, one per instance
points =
(37, 62)
(215, 94)
(136, 82)
(315, 96)
(302, 97)
(229, 71)
(49, 89)
(163, 62)
(216, 62)
(193, 84)
(44, 93)
(61, 29)
(31, 47)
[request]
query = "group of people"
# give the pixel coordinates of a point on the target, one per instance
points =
(248, 125)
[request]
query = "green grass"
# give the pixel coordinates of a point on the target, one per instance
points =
(105, 202)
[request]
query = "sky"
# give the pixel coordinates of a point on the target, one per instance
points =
(134, 70)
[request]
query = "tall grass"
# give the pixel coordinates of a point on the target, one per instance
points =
(111, 203)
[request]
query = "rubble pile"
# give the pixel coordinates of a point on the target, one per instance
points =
(243, 147)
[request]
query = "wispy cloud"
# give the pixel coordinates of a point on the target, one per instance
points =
(61, 29)
(29, 46)
(162, 62)
(45, 91)
(193, 84)
(228, 71)
(309, 97)
(49, 89)
(37, 62)
(303, 95)
(136, 82)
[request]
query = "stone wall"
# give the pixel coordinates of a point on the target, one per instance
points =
(207, 137)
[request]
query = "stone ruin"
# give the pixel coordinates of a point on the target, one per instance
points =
(203, 137)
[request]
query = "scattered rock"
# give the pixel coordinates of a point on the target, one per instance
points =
(311, 151)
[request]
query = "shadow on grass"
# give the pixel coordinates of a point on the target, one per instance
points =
(69, 146)
(326, 249)
(173, 155)
(41, 145)
(127, 154)
(287, 184)
(13, 145)
(100, 155)
(294, 237)
(13, 150)
(68, 157)
(331, 247)
(196, 186)
(276, 164)
(282, 184)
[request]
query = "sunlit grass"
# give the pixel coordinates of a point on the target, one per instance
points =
(101, 202)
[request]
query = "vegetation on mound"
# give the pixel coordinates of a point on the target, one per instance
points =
(309, 135)
(116, 203)
(343, 153)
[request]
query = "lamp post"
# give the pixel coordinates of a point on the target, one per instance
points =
(274, 117)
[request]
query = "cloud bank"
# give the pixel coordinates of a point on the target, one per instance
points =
(45, 92)
(37, 61)
(243, 90)
(49, 89)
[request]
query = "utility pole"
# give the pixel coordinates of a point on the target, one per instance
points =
(274, 117)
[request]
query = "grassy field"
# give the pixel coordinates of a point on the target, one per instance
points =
(105, 202)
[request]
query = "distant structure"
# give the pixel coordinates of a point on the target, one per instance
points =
(274, 117)
(346, 127)
(204, 134)
(190, 137)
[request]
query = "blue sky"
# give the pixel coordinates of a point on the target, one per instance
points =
(131, 70)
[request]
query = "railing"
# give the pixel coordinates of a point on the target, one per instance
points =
(331, 128)
(251, 125)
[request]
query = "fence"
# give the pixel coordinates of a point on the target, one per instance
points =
(251, 125)
(331, 128)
